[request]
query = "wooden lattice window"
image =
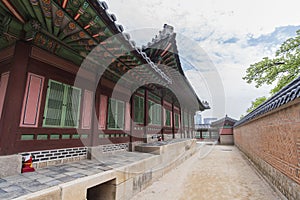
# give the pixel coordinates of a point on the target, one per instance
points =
(168, 117)
(115, 114)
(154, 113)
(62, 105)
(138, 109)
(190, 120)
(176, 120)
(185, 119)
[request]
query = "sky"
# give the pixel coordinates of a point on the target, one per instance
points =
(225, 37)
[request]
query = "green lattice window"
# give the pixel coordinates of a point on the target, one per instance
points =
(190, 120)
(185, 119)
(139, 109)
(62, 105)
(115, 114)
(176, 120)
(168, 117)
(154, 113)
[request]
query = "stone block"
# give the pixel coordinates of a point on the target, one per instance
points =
(53, 193)
(226, 139)
(149, 149)
(77, 189)
(125, 190)
(10, 165)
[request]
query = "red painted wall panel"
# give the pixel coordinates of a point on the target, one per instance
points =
(226, 131)
(127, 117)
(102, 112)
(87, 110)
(32, 101)
(3, 86)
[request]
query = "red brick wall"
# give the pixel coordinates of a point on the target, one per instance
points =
(274, 138)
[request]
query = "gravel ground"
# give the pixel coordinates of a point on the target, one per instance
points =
(214, 173)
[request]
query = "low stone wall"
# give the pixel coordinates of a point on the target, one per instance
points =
(272, 142)
(168, 136)
(226, 139)
(124, 182)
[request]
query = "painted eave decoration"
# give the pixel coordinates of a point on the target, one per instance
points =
(72, 29)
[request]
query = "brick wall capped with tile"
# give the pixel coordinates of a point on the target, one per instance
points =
(274, 138)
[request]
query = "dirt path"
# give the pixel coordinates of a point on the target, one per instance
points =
(214, 173)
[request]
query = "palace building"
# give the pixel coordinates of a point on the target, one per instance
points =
(72, 79)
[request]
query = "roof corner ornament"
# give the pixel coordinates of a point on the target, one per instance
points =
(168, 30)
(205, 104)
(103, 4)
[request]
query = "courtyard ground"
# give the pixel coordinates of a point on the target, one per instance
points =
(214, 173)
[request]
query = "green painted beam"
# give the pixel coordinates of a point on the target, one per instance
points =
(3, 7)
(69, 55)
(28, 7)
(11, 26)
(38, 13)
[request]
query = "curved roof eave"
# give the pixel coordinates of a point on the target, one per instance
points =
(168, 37)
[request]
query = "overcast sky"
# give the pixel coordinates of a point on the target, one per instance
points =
(227, 36)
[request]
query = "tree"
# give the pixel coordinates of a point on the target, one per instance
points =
(283, 68)
(256, 103)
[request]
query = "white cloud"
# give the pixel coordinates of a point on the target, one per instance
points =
(210, 24)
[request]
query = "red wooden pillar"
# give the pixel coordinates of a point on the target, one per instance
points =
(173, 121)
(13, 101)
(131, 101)
(181, 123)
(188, 124)
(162, 116)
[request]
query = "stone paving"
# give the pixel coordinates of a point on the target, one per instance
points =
(215, 172)
(15, 186)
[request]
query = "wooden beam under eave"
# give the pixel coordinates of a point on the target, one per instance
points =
(7, 53)
(13, 10)
(166, 49)
(60, 63)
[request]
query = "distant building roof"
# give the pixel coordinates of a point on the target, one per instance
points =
(222, 121)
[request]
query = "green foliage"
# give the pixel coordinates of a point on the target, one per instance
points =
(256, 103)
(283, 68)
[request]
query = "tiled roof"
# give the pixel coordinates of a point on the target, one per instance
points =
(226, 118)
(163, 51)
